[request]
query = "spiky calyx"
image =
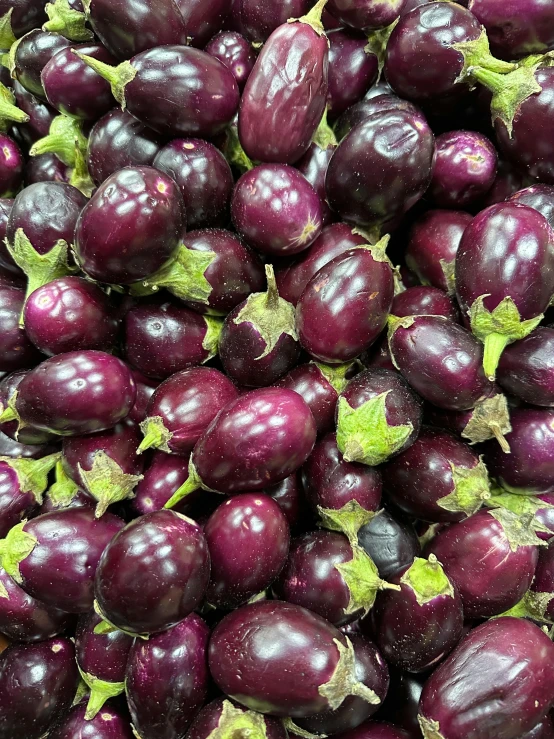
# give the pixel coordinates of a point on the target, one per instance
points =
(348, 520)
(362, 579)
(7, 37)
(32, 474)
(106, 482)
(427, 579)
(236, 721)
(533, 606)
(66, 21)
(210, 342)
(192, 483)
(324, 137)
(16, 547)
(490, 419)
(64, 490)
(100, 692)
(313, 17)
(429, 728)
(337, 375)
(343, 681)
(471, 489)
(377, 45)
(156, 435)
(520, 530)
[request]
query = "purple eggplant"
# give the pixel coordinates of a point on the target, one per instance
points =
(287, 680)
(111, 723)
(353, 70)
(258, 21)
(221, 715)
(526, 369)
(289, 496)
(540, 197)
(381, 102)
(145, 389)
(364, 15)
(424, 301)
(38, 683)
(16, 350)
(16, 450)
(381, 168)
(434, 241)
(20, 16)
(490, 557)
(182, 407)
(401, 703)
(392, 544)
(233, 50)
(544, 578)
(378, 417)
(75, 393)
(163, 337)
(248, 538)
(344, 307)
(507, 182)
(11, 167)
(46, 168)
(198, 95)
(378, 355)
(22, 484)
(164, 475)
(468, 695)
(525, 28)
(30, 54)
(40, 114)
(442, 361)
(153, 574)
(6, 262)
(279, 114)
(202, 19)
(54, 557)
(375, 730)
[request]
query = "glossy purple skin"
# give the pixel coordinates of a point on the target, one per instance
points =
(15, 503)
(528, 469)
(464, 169)
(381, 168)
(378, 355)
(16, 351)
(361, 14)
(26, 14)
(402, 701)
(154, 573)
(468, 694)
(46, 168)
(313, 165)
(248, 538)
(477, 558)
(203, 19)
(233, 50)
(208, 720)
(507, 250)
(79, 500)
(308, 381)
(279, 113)
(442, 361)
(289, 496)
(6, 261)
(507, 182)
(76, 393)
(540, 197)
(188, 401)
(60, 569)
(127, 28)
(40, 114)
(345, 306)
(165, 474)
(38, 683)
(102, 655)
(424, 301)
(11, 167)
(277, 434)
(197, 95)
(167, 679)
(110, 723)
(352, 70)
(25, 619)
(518, 30)
(145, 389)
(118, 140)
(203, 177)
(392, 544)
(131, 227)
(276, 210)
(544, 576)
(47, 212)
(383, 102)
(75, 89)
(331, 482)
(416, 637)
(69, 314)
(420, 63)
(375, 730)
(546, 517)
(543, 730)
(162, 338)
(15, 449)
(526, 368)
(435, 236)
(332, 241)
(31, 56)
(259, 20)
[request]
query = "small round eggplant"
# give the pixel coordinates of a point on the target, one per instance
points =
(441, 360)
(46, 168)
(417, 626)
(364, 15)
(491, 559)
(382, 101)
(167, 679)
(468, 695)
(11, 167)
(248, 538)
(310, 667)
(276, 210)
(526, 368)
(378, 416)
(202, 19)
(111, 723)
(37, 685)
(544, 578)
(153, 574)
(182, 407)
(16, 350)
(54, 557)
(424, 301)
(540, 197)
(233, 50)
(353, 69)
(345, 306)
(221, 717)
(438, 479)
(30, 54)
(165, 474)
(390, 543)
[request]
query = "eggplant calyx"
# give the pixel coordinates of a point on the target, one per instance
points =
(64, 490)
(293, 728)
(427, 579)
(471, 489)
(448, 270)
(106, 482)
(9, 413)
(192, 483)
(520, 504)
(66, 21)
(348, 520)
(364, 433)
(377, 41)
(64, 136)
(107, 627)
(234, 153)
(343, 681)
(476, 53)
(3, 592)
(156, 435)
(100, 692)
(211, 338)
(235, 721)
(433, 528)
(9, 112)
(16, 547)
(271, 315)
(9, 60)
(490, 419)
(7, 37)
(324, 137)
(80, 176)
(498, 328)
(532, 605)
(429, 728)
(520, 529)
(378, 249)
(118, 77)
(32, 474)
(313, 18)
(337, 375)
(362, 579)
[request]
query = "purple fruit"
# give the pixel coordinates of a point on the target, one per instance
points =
(390, 543)
(15, 449)
(6, 262)
(30, 54)
(258, 21)
(40, 114)
(202, 19)
(165, 474)
(11, 167)
(22, 484)
(16, 351)
(352, 70)
(526, 369)
(382, 102)
(21, 16)
(46, 168)
(289, 496)
(111, 723)
(540, 197)
(362, 15)
(544, 578)
(402, 702)
(378, 355)
(233, 50)
(522, 29)
(423, 301)
(223, 716)
(145, 389)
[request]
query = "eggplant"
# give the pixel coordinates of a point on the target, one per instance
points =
(46, 168)
(392, 544)
(259, 21)
(16, 350)
(11, 167)
(111, 723)
(167, 679)
(353, 69)
(544, 579)
(289, 496)
(528, 28)
(424, 301)
(22, 484)
(363, 15)
(40, 115)
(540, 197)
(6, 261)
(20, 16)
(224, 716)
(525, 368)
(279, 114)
(202, 19)
(30, 54)
(164, 475)
(54, 557)
(233, 50)
(378, 99)
(145, 389)
(468, 695)
(402, 701)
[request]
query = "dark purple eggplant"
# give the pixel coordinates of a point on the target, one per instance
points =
(507, 182)
(442, 361)
(233, 50)
(287, 680)
(16, 350)
(22, 484)
(279, 114)
(540, 197)
(46, 168)
(153, 574)
(11, 167)
(525, 28)
(378, 417)
(111, 723)
(182, 407)
(353, 70)
(145, 389)
(289, 496)
(223, 716)
(378, 355)
(392, 544)
(364, 15)
(16, 450)
(30, 54)
(424, 301)
(468, 695)
(37, 685)
(197, 94)
(526, 368)
(383, 101)
(258, 21)
(40, 114)
(165, 474)
(375, 730)
(18, 17)
(344, 307)
(6, 262)
(401, 703)
(543, 582)
(202, 19)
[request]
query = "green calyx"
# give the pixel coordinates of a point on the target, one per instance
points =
(3, 592)
(66, 21)
(364, 434)
(471, 489)
(429, 728)
(343, 681)
(7, 37)
(100, 692)
(9, 413)
(64, 490)
(362, 579)
(533, 606)
(269, 314)
(525, 507)
(348, 520)
(156, 436)
(520, 529)
(106, 482)
(324, 136)
(235, 721)
(32, 474)
(490, 419)
(16, 547)
(118, 77)
(498, 328)
(106, 627)
(65, 138)
(192, 483)
(80, 176)
(427, 579)
(313, 17)
(377, 45)
(9, 112)
(448, 270)
(210, 342)
(234, 153)
(293, 728)
(378, 249)
(337, 375)
(476, 53)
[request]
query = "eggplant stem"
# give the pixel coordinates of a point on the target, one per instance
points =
(499, 436)
(272, 300)
(494, 346)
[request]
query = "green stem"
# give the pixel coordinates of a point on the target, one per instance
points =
(494, 346)
(118, 77)
(324, 136)
(100, 692)
(192, 483)
(156, 435)
(57, 144)
(313, 17)
(9, 112)
(272, 300)
(490, 79)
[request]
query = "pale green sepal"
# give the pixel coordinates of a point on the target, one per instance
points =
(7, 37)
(234, 153)
(490, 419)
(64, 490)
(377, 45)
(155, 435)
(476, 53)
(433, 528)
(429, 728)
(3, 592)
(471, 489)
(82, 690)
(118, 77)
(520, 530)
(362, 579)
(9, 59)
(65, 139)
(9, 413)
(100, 692)
(106, 627)
(192, 483)
(343, 681)
(448, 270)
(66, 21)
(427, 579)
(532, 605)
(80, 176)
(348, 520)
(9, 112)
(290, 726)
(522, 505)
(324, 137)
(236, 721)
(16, 547)
(210, 343)
(106, 482)
(32, 474)
(313, 17)
(336, 374)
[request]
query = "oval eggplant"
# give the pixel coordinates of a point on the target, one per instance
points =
(46, 168)
(164, 475)
(16, 350)
(30, 54)
(526, 368)
(423, 301)
(258, 21)
(353, 69)
(363, 15)
(11, 167)
(391, 544)
(540, 197)
(233, 50)
(111, 723)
